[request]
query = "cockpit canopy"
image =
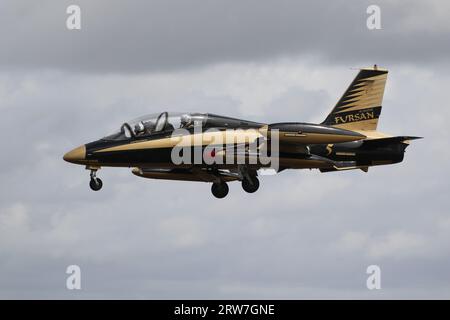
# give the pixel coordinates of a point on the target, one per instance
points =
(156, 123)
(167, 122)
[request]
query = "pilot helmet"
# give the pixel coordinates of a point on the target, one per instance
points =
(139, 127)
(185, 120)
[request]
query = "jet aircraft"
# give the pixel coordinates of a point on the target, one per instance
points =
(347, 139)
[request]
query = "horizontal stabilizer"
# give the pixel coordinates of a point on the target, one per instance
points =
(334, 169)
(388, 140)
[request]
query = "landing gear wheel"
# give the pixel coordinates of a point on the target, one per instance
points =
(219, 190)
(250, 186)
(96, 184)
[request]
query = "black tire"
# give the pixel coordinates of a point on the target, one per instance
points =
(219, 190)
(96, 184)
(252, 186)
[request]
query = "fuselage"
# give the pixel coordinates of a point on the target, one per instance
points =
(154, 149)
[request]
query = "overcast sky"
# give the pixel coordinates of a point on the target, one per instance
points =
(304, 234)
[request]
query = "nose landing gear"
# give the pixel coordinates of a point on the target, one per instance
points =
(95, 183)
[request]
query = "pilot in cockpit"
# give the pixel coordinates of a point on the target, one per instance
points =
(186, 121)
(142, 128)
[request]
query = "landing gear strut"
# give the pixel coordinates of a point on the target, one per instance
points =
(250, 184)
(219, 189)
(95, 183)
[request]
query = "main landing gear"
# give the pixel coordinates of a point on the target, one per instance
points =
(250, 184)
(219, 189)
(95, 183)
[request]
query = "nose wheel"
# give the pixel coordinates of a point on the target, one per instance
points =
(95, 183)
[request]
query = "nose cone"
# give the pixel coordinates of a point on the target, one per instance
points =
(77, 155)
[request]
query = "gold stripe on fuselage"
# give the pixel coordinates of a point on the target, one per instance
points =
(230, 137)
(317, 138)
(205, 138)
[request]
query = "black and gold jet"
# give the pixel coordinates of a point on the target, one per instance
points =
(347, 139)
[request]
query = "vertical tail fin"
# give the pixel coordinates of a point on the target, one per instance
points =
(360, 106)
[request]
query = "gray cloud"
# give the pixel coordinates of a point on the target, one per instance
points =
(303, 235)
(168, 35)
